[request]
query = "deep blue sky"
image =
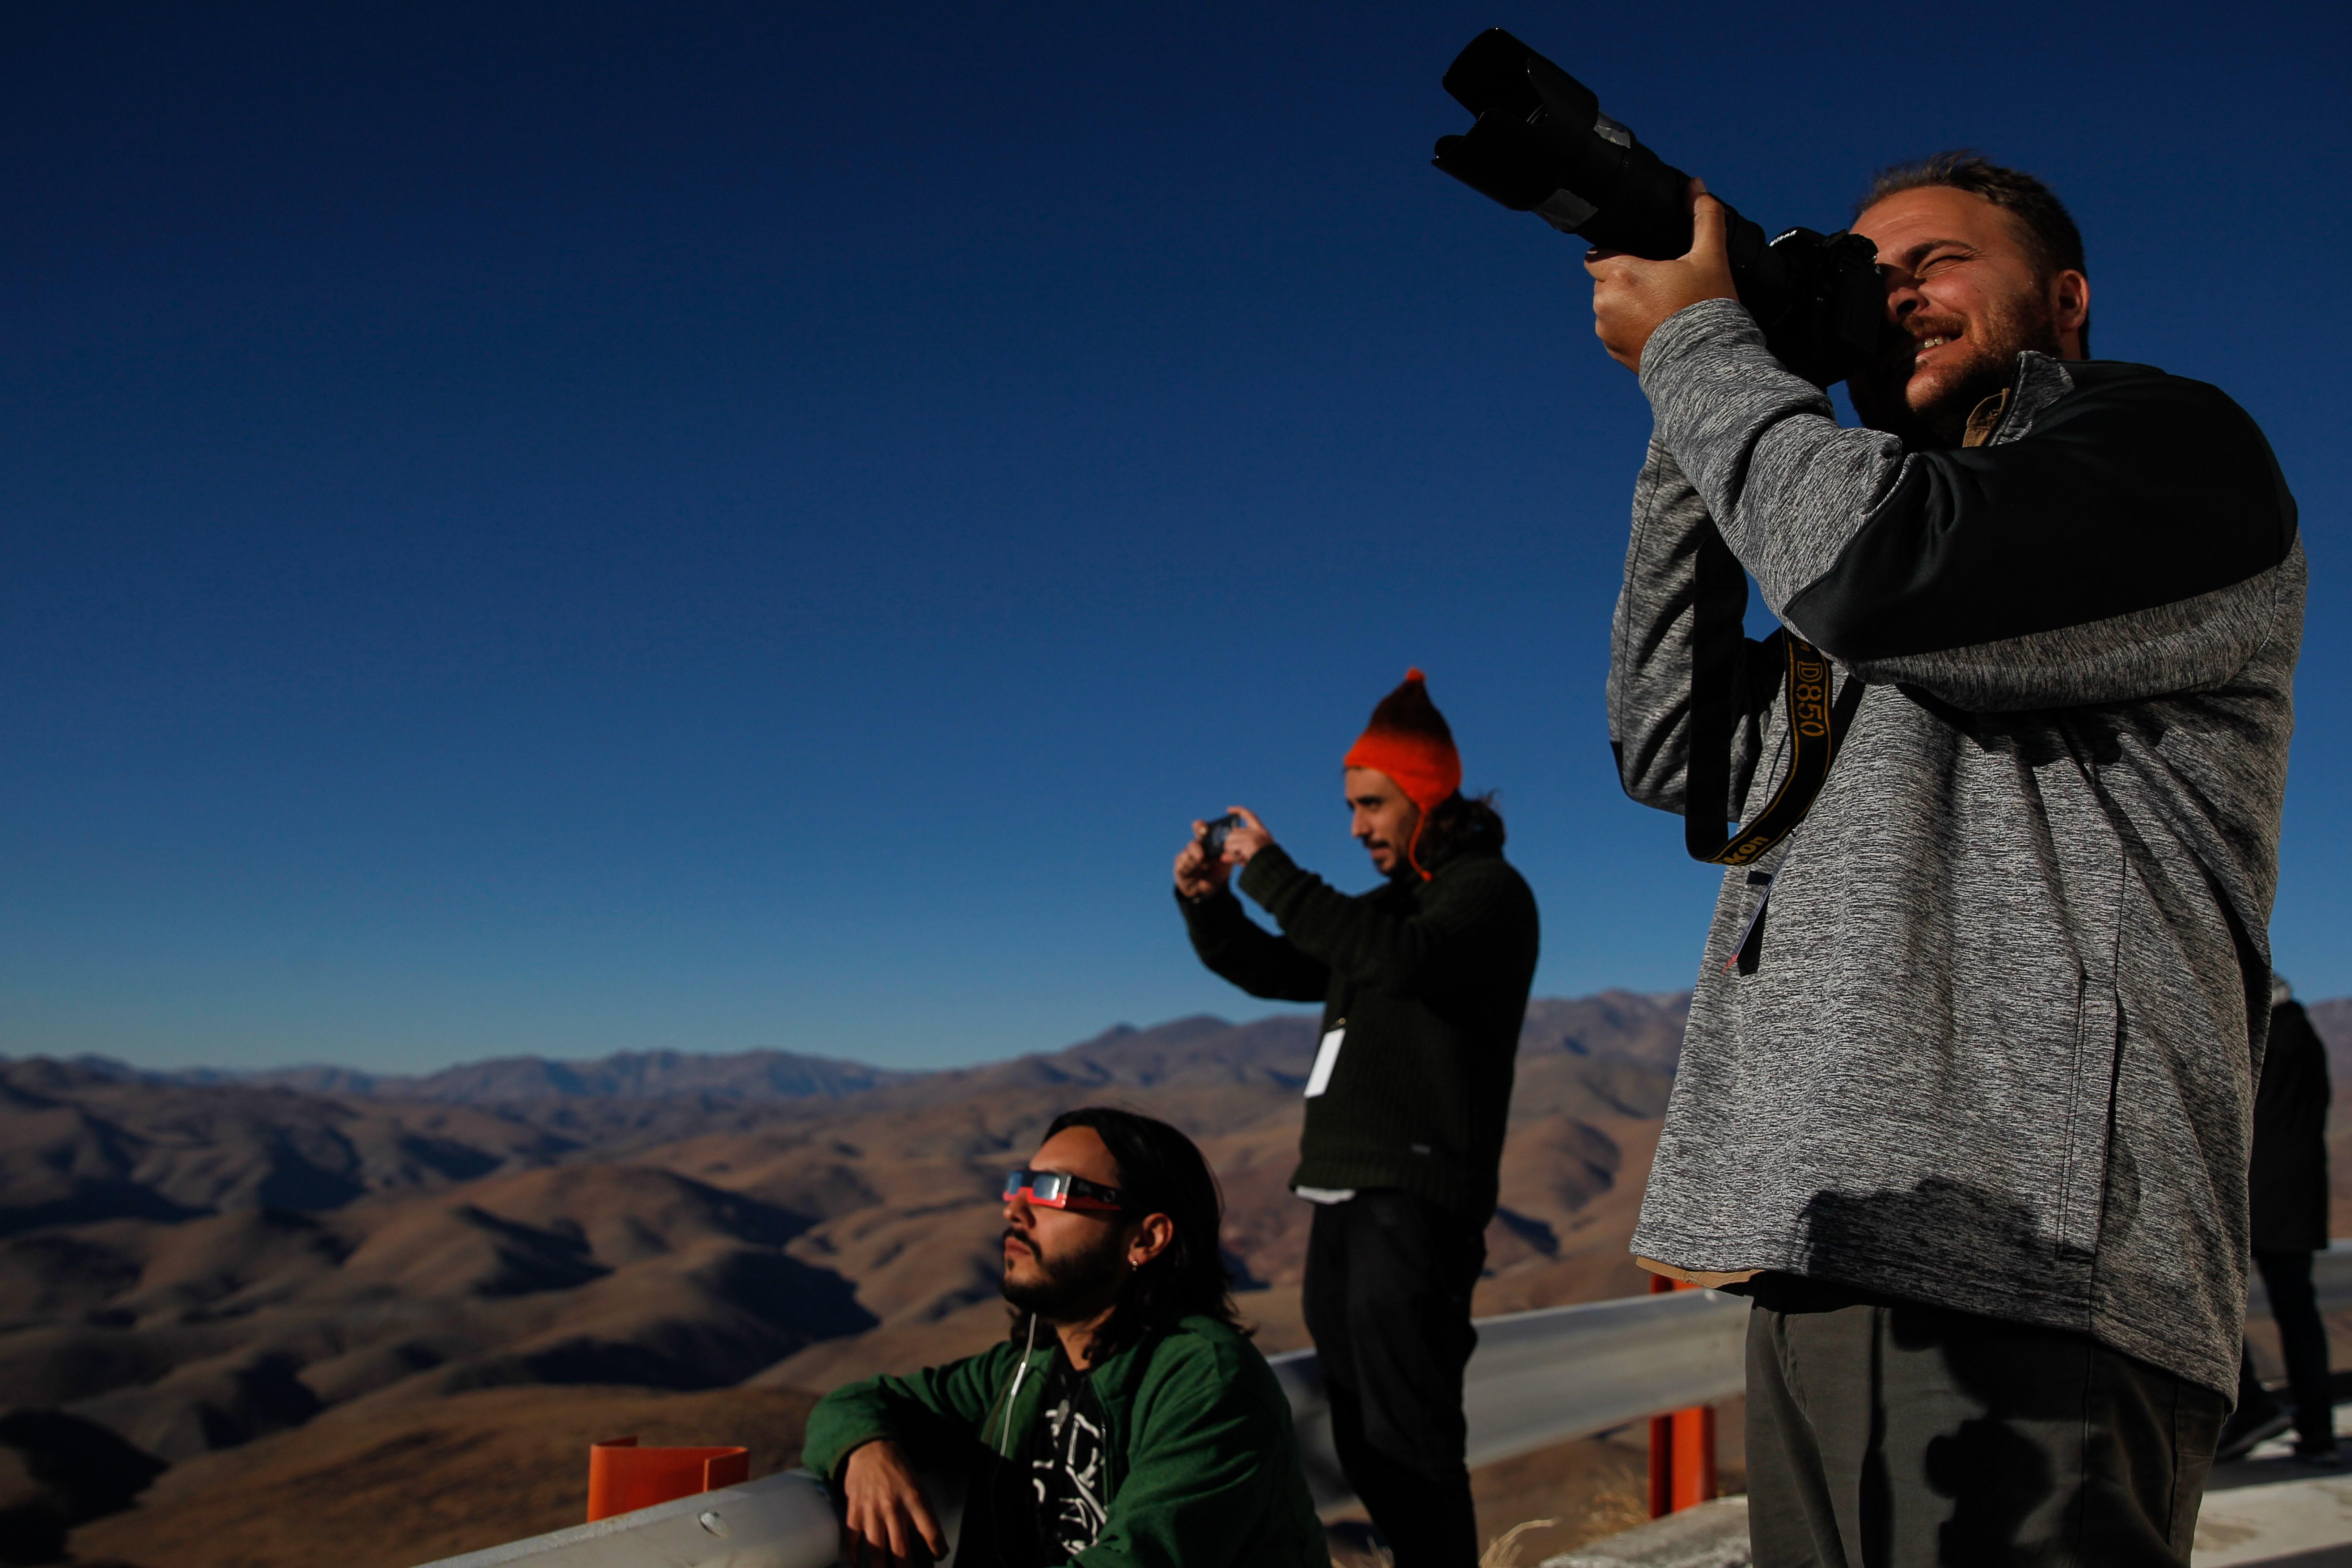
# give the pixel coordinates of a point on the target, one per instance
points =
(574, 527)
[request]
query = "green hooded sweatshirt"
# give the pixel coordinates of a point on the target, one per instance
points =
(1203, 1465)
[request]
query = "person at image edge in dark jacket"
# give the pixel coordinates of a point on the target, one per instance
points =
(1126, 1421)
(2286, 1183)
(1424, 982)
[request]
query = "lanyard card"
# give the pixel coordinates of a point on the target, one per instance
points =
(1327, 1057)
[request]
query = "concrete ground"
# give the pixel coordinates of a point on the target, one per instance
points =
(2266, 1510)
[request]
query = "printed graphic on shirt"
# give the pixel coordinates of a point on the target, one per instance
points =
(1065, 1465)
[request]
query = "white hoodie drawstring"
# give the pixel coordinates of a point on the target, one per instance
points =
(1013, 1398)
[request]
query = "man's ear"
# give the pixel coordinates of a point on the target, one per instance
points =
(2070, 309)
(1154, 1234)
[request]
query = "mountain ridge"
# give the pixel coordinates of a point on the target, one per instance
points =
(768, 1073)
(756, 1073)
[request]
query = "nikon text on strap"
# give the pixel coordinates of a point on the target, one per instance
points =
(1815, 727)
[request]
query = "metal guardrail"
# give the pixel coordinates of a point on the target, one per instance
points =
(1543, 1377)
(777, 1521)
(1538, 1378)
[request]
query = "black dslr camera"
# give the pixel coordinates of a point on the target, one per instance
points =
(1542, 145)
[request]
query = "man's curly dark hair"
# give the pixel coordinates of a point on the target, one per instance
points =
(1465, 822)
(2048, 227)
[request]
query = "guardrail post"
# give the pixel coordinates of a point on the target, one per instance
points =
(624, 1478)
(1681, 1444)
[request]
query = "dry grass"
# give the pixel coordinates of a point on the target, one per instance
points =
(385, 1487)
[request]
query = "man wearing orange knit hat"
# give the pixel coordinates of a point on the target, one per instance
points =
(1424, 982)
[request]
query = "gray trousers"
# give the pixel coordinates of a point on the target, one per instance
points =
(1885, 1434)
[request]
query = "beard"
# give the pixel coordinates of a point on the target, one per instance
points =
(1936, 419)
(1072, 1286)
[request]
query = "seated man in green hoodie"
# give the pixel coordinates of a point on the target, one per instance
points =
(1127, 1419)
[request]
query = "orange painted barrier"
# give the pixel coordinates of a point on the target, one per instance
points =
(622, 1476)
(1681, 1444)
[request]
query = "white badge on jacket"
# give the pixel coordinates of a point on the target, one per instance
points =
(1327, 1057)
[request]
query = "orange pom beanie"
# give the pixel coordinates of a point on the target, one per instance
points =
(1408, 740)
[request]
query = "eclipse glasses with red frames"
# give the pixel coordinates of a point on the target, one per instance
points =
(1061, 1190)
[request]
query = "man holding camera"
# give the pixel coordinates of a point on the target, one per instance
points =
(1424, 982)
(1966, 1094)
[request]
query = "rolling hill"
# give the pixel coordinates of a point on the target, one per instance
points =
(220, 1278)
(246, 1322)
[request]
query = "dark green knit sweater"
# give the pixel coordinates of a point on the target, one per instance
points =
(1430, 980)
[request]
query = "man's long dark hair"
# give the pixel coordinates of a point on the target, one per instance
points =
(1465, 822)
(1159, 1172)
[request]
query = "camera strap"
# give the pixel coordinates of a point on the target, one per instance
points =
(1816, 725)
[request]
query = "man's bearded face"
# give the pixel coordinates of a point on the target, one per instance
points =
(1382, 818)
(1967, 295)
(1066, 1284)
(1066, 1264)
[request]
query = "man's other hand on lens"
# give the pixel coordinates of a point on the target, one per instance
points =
(1633, 298)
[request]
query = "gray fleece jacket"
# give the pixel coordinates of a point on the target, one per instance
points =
(1994, 1042)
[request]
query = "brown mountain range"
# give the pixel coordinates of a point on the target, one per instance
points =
(349, 1318)
(234, 1276)
(739, 1075)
